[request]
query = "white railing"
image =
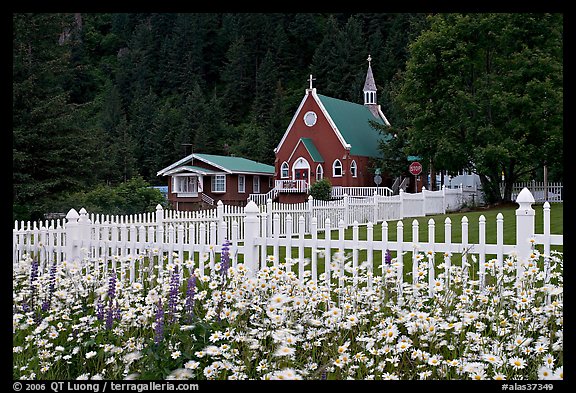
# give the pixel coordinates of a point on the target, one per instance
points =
(80, 241)
(207, 199)
(291, 185)
(339, 192)
(261, 199)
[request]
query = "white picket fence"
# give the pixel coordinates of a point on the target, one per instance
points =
(80, 239)
(204, 226)
(552, 192)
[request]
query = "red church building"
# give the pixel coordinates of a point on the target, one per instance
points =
(329, 138)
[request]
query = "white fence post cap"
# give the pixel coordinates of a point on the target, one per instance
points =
(251, 207)
(525, 196)
(72, 214)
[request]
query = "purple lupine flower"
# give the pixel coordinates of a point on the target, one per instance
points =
(116, 314)
(100, 310)
(109, 315)
(388, 257)
(159, 329)
(112, 285)
(173, 295)
(52, 278)
(34, 272)
(33, 279)
(324, 375)
(225, 258)
(190, 290)
(45, 305)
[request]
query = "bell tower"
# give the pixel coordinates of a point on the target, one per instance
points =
(370, 90)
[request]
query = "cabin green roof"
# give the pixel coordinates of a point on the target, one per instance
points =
(224, 163)
(194, 169)
(311, 147)
(353, 122)
(236, 164)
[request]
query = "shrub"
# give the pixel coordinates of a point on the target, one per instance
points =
(321, 190)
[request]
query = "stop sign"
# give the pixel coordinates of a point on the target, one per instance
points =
(415, 168)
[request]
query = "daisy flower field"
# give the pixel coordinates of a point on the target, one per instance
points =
(89, 321)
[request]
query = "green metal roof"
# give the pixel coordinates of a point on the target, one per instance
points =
(236, 164)
(311, 147)
(194, 169)
(353, 123)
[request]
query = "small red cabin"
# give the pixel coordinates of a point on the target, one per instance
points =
(204, 179)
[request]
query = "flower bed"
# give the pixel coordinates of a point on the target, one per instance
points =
(179, 323)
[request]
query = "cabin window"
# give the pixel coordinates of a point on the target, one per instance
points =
(256, 185)
(241, 183)
(353, 169)
(219, 183)
(337, 168)
(185, 184)
(284, 171)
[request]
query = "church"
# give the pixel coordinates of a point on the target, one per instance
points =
(329, 138)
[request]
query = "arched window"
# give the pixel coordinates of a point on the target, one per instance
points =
(353, 169)
(319, 172)
(337, 168)
(284, 170)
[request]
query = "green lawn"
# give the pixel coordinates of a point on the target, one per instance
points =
(508, 212)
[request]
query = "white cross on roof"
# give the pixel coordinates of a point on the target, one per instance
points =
(310, 80)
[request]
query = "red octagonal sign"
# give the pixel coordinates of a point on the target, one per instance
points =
(415, 168)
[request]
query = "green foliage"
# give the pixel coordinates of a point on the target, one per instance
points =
(134, 196)
(321, 189)
(484, 92)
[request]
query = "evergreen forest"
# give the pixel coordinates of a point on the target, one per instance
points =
(103, 98)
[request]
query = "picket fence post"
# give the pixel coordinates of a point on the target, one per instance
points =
(251, 226)
(525, 220)
(72, 235)
(270, 218)
(310, 207)
(401, 194)
(83, 230)
(346, 211)
(221, 236)
(375, 207)
(424, 209)
(159, 221)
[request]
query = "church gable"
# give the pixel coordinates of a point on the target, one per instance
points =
(312, 122)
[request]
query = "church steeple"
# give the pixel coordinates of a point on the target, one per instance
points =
(370, 90)
(369, 86)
